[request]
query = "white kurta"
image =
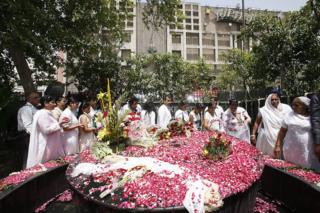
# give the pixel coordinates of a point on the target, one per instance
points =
(182, 115)
(214, 121)
(271, 123)
(298, 144)
(164, 116)
(238, 125)
(148, 119)
(56, 113)
(45, 139)
(86, 139)
(70, 138)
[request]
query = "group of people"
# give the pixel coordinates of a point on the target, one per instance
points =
(62, 127)
(285, 132)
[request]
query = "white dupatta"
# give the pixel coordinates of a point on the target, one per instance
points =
(271, 118)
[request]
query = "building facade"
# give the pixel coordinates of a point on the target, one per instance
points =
(205, 32)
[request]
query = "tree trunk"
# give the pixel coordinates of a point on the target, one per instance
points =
(23, 69)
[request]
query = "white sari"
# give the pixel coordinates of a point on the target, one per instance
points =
(271, 123)
(45, 139)
(237, 125)
(298, 145)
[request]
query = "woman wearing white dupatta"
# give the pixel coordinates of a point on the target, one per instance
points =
(236, 120)
(45, 137)
(296, 133)
(268, 124)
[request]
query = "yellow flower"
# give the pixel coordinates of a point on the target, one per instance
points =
(205, 152)
(100, 96)
(102, 133)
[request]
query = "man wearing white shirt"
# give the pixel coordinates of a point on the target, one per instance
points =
(25, 118)
(164, 114)
(181, 113)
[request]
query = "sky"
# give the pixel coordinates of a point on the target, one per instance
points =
(277, 5)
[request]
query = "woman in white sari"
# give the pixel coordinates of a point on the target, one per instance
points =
(236, 121)
(268, 124)
(296, 133)
(71, 129)
(45, 137)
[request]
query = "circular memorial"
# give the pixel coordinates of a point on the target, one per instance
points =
(179, 174)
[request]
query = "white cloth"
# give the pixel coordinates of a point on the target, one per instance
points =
(148, 119)
(214, 121)
(304, 100)
(25, 117)
(86, 139)
(92, 112)
(164, 116)
(271, 123)
(126, 108)
(238, 125)
(45, 139)
(218, 110)
(196, 120)
(71, 137)
(182, 115)
(298, 145)
(56, 113)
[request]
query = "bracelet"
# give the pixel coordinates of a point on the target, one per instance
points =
(253, 135)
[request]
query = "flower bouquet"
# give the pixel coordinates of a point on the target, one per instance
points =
(218, 147)
(112, 128)
(175, 128)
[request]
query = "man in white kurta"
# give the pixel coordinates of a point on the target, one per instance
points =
(164, 114)
(45, 139)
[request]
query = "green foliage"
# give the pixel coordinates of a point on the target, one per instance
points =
(157, 75)
(237, 72)
(89, 32)
(288, 49)
(158, 13)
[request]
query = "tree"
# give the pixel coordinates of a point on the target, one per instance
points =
(237, 72)
(288, 49)
(33, 31)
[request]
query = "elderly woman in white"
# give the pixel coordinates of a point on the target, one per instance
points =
(236, 121)
(268, 124)
(295, 135)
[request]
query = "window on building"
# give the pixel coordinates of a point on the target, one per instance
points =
(209, 54)
(172, 26)
(188, 13)
(195, 13)
(188, 20)
(224, 40)
(188, 27)
(196, 21)
(195, 7)
(176, 39)
(129, 24)
(125, 54)
(127, 37)
(195, 27)
(208, 39)
(192, 38)
(193, 54)
(187, 6)
(176, 52)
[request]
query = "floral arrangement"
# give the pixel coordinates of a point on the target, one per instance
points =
(168, 188)
(175, 128)
(112, 127)
(218, 147)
